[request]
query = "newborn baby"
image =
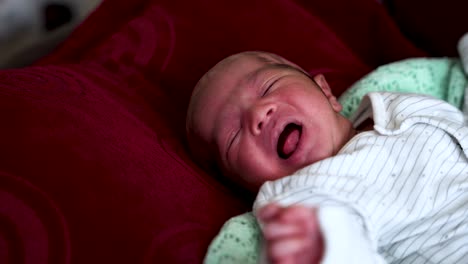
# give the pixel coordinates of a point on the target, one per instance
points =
(378, 188)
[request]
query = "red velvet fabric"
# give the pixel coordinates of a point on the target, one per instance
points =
(93, 165)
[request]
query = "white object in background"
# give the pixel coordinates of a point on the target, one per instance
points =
(26, 33)
(463, 51)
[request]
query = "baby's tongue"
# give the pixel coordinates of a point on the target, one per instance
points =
(287, 142)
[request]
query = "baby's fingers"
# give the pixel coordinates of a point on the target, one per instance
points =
(268, 212)
(286, 248)
(298, 213)
(276, 230)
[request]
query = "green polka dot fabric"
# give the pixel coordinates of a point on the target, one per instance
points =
(442, 78)
(237, 242)
(239, 239)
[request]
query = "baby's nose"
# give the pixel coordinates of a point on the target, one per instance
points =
(260, 116)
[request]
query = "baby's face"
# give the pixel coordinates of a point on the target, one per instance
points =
(264, 118)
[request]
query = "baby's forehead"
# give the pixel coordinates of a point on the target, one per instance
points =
(257, 58)
(243, 72)
(236, 68)
(245, 65)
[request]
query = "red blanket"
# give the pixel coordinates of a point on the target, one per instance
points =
(93, 165)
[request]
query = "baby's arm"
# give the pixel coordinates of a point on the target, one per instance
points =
(325, 234)
(292, 234)
(346, 234)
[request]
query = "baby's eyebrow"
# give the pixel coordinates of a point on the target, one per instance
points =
(278, 62)
(273, 66)
(290, 67)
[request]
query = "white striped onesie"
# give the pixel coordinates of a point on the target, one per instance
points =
(396, 194)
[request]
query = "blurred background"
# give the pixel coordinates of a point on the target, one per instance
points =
(29, 29)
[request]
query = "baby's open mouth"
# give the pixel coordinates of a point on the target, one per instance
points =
(288, 140)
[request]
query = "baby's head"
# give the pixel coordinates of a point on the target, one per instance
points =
(257, 117)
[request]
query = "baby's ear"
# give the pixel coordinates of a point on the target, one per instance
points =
(323, 84)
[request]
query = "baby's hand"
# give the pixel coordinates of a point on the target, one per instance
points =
(292, 234)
